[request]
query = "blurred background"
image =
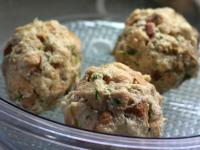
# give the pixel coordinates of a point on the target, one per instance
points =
(17, 12)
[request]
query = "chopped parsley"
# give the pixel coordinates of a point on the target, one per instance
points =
(75, 59)
(108, 92)
(160, 37)
(19, 97)
(116, 102)
(136, 63)
(96, 76)
(41, 100)
(87, 117)
(131, 51)
(123, 52)
(179, 39)
(139, 24)
(129, 30)
(71, 47)
(128, 52)
(156, 46)
(97, 95)
(47, 56)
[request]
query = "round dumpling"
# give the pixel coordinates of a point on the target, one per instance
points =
(41, 62)
(115, 99)
(161, 43)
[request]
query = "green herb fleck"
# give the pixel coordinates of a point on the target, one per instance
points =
(116, 102)
(128, 52)
(19, 97)
(122, 52)
(156, 46)
(131, 51)
(179, 39)
(136, 63)
(97, 95)
(71, 47)
(108, 92)
(41, 100)
(96, 76)
(129, 30)
(160, 37)
(75, 59)
(47, 56)
(87, 117)
(139, 24)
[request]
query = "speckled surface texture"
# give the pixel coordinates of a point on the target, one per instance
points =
(181, 106)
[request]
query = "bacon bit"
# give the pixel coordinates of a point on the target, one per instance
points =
(150, 29)
(156, 75)
(8, 49)
(107, 79)
(157, 19)
(140, 110)
(28, 102)
(105, 118)
(179, 66)
(55, 65)
(135, 81)
(41, 38)
(88, 75)
(140, 79)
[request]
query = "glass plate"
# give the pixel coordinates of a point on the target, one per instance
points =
(181, 106)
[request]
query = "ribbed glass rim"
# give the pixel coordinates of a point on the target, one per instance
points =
(55, 131)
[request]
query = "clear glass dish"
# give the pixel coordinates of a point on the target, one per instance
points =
(22, 130)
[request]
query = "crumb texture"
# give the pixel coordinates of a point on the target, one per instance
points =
(115, 99)
(41, 62)
(161, 43)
